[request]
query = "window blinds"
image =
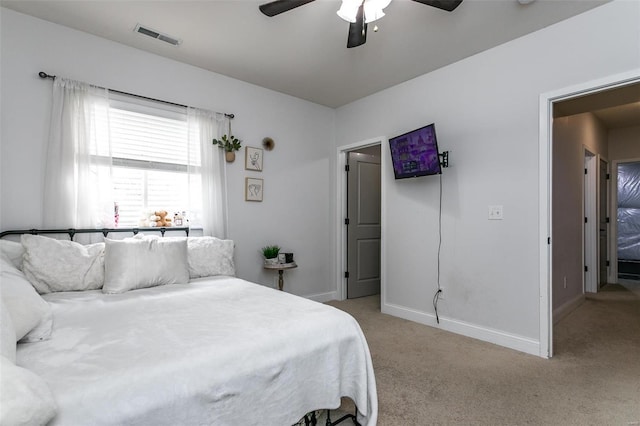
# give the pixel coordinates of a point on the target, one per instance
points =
(151, 158)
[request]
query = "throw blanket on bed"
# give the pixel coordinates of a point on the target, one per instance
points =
(216, 351)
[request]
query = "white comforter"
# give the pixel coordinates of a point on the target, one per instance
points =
(217, 351)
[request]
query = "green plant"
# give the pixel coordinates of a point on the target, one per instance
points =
(270, 252)
(229, 144)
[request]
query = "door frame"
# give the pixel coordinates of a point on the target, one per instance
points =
(589, 212)
(545, 144)
(607, 202)
(341, 214)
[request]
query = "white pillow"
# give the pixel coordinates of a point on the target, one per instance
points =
(209, 256)
(62, 265)
(30, 314)
(7, 333)
(24, 397)
(140, 263)
(14, 251)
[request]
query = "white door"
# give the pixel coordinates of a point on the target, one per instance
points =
(590, 243)
(363, 225)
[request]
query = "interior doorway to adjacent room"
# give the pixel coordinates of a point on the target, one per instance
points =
(627, 207)
(596, 222)
(609, 111)
(590, 237)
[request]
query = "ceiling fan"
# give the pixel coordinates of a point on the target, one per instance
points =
(358, 12)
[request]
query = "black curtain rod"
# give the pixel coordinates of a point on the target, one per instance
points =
(43, 74)
(105, 231)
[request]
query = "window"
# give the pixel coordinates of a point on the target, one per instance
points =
(153, 160)
(106, 148)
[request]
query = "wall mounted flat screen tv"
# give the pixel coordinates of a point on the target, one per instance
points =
(415, 153)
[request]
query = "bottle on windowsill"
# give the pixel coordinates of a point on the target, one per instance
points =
(116, 214)
(177, 219)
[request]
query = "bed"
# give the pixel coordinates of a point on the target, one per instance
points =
(214, 350)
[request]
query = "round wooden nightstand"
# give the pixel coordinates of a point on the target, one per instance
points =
(280, 267)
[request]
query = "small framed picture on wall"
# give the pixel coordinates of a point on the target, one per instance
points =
(253, 158)
(253, 189)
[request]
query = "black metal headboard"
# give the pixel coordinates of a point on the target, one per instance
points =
(104, 231)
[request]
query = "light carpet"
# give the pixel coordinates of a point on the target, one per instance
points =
(428, 376)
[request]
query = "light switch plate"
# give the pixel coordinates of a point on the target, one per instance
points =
(496, 213)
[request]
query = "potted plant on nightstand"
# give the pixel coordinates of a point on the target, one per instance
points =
(230, 145)
(270, 254)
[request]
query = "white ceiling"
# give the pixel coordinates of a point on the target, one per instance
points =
(303, 52)
(620, 116)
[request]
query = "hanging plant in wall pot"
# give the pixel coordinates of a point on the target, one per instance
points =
(230, 144)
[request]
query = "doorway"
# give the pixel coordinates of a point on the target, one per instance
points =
(603, 223)
(596, 222)
(590, 237)
(614, 94)
(628, 220)
(363, 222)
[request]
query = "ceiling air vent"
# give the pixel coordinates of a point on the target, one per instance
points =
(157, 35)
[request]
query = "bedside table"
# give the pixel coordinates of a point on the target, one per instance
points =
(281, 267)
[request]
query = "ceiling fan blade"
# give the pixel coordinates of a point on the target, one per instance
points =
(279, 6)
(447, 5)
(357, 30)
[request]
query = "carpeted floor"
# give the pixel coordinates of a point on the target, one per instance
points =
(427, 376)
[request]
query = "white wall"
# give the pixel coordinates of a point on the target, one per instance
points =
(486, 113)
(570, 137)
(624, 143)
(294, 213)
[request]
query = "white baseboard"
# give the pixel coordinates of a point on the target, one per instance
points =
(323, 297)
(568, 307)
(512, 341)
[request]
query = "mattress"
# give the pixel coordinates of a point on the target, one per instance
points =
(216, 351)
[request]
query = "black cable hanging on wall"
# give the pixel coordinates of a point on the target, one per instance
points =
(436, 297)
(230, 116)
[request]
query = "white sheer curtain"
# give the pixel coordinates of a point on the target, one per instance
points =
(207, 177)
(77, 190)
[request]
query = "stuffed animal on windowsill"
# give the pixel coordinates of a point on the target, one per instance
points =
(152, 221)
(163, 220)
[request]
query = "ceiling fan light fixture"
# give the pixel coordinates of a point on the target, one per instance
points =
(348, 10)
(371, 13)
(373, 9)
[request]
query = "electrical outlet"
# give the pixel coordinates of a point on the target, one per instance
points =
(441, 295)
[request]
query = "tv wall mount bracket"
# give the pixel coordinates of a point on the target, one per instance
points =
(444, 159)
